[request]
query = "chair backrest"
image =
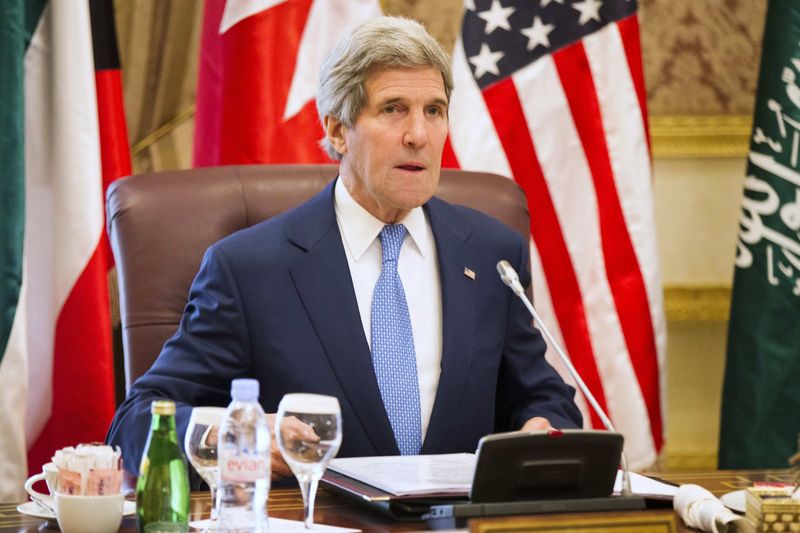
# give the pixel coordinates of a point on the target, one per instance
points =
(160, 224)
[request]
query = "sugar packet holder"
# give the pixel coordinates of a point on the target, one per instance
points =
(90, 470)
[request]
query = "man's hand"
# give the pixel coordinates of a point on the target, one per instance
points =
(537, 423)
(295, 428)
(279, 467)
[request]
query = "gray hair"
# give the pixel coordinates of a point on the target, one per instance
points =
(379, 42)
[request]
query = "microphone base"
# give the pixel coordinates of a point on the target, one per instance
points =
(454, 516)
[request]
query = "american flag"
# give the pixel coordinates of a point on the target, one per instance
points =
(551, 93)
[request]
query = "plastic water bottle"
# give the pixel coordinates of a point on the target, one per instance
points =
(244, 464)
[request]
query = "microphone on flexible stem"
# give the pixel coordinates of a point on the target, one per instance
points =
(510, 278)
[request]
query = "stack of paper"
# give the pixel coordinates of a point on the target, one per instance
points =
(411, 475)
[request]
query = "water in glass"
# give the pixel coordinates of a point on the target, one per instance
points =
(309, 433)
(201, 447)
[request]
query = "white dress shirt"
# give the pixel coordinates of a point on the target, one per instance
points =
(419, 271)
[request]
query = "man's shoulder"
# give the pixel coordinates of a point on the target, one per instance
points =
(259, 234)
(464, 219)
(275, 234)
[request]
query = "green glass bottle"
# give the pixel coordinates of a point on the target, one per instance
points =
(162, 490)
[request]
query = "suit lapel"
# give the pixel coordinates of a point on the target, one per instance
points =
(458, 317)
(322, 279)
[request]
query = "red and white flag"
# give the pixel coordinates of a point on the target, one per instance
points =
(551, 93)
(60, 342)
(259, 65)
(547, 92)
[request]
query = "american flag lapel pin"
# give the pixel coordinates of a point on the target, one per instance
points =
(469, 273)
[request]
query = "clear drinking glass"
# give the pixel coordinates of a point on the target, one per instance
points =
(309, 433)
(201, 447)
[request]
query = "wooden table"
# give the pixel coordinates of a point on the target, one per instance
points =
(330, 509)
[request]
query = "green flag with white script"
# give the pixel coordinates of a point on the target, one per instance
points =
(761, 398)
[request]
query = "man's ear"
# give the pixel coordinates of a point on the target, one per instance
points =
(334, 131)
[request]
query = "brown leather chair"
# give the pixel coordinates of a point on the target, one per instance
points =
(160, 224)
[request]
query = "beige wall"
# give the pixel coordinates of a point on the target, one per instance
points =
(697, 209)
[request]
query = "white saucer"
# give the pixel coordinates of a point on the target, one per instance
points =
(735, 501)
(39, 511)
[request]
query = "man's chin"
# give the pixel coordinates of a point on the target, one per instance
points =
(416, 188)
(413, 199)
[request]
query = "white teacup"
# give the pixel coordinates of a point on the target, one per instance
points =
(50, 475)
(89, 514)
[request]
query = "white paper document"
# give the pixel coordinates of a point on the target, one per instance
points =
(645, 486)
(280, 525)
(451, 474)
(410, 475)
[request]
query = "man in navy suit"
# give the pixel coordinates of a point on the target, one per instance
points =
(301, 301)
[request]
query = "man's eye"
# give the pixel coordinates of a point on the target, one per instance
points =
(434, 111)
(390, 109)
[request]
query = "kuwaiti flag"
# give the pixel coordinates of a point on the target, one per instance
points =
(56, 371)
(259, 66)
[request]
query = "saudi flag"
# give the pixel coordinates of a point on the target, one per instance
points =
(761, 399)
(56, 367)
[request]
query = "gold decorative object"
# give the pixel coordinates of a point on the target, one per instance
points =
(772, 509)
(701, 136)
(697, 303)
(612, 522)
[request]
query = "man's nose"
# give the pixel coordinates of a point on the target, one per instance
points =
(416, 134)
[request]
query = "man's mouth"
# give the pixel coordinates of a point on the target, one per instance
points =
(411, 167)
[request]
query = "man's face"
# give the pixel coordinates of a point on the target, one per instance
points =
(392, 154)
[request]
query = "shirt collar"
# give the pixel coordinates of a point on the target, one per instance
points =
(360, 228)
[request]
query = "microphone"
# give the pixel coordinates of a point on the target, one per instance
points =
(511, 279)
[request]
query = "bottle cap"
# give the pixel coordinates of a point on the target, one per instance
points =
(162, 407)
(244, 389)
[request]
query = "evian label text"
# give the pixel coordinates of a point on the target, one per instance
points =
(243, 468)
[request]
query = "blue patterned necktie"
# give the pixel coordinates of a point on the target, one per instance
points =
(393, 353)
